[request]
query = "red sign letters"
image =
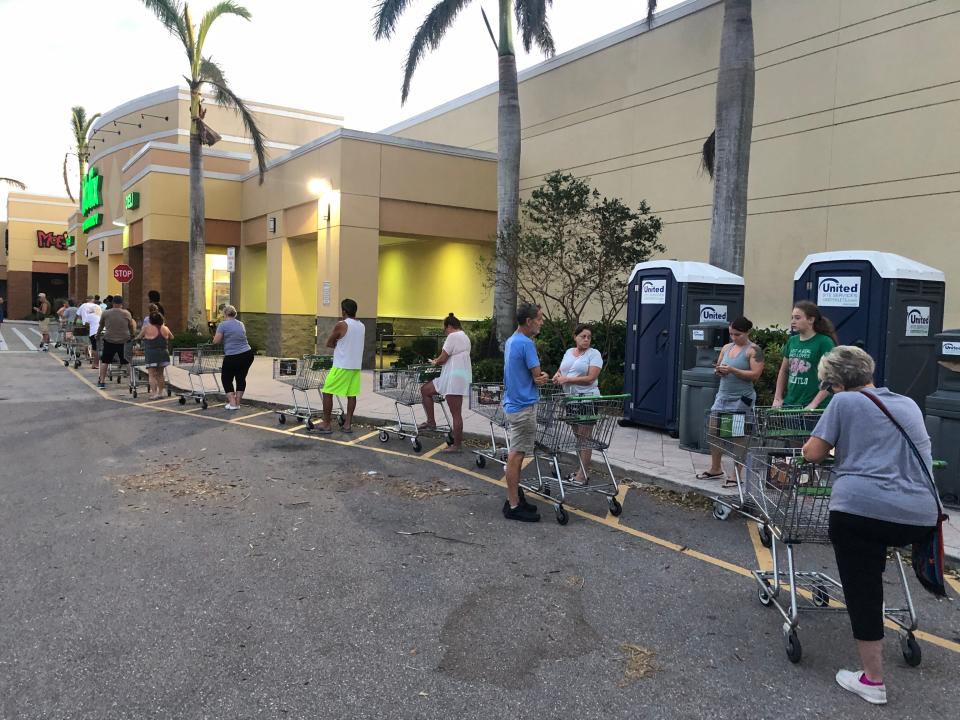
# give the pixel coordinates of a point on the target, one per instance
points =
(51, 240)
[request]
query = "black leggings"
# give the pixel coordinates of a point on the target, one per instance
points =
(236, 367)
(860, 545)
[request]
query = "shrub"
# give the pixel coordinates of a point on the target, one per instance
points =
(772, 340)
(188, 339)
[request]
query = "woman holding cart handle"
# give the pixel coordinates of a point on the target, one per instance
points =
(578, 373)
(454, 381)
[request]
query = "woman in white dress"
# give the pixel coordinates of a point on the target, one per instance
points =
(454, 381)
(578, 375)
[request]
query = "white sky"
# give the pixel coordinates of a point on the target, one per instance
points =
(309, 54)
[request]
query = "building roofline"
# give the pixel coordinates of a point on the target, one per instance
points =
(173, 147)
(346, 134)
(602, 43)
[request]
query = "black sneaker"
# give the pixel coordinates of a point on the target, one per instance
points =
(523, 500)
(523, 513)
(101, 386)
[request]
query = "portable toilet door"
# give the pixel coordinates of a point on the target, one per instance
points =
(664, 298)
(887, 304)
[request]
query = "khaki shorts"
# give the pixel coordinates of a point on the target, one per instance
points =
(522, 430)
(44, 325)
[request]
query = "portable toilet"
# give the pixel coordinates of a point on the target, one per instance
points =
(887, 304)
(664, 298)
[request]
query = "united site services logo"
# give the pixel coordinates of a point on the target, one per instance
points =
(950, 348)
(838, 291)
(653, 292)
(717, 313)
(918, 321)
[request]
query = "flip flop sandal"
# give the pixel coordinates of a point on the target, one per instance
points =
(709, 476)
(571, 479)
(728, 484)
(426, 426)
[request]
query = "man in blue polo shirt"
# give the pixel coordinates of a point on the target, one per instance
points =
(521, 376)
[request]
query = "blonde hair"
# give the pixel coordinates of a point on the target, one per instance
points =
(846, 366)
(229, 311)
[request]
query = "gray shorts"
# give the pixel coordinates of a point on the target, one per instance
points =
(522, 429)
(731, 403)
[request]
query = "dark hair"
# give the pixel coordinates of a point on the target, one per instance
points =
(156, 319)
(821, 324)
(71, 302)
(452, 321)
(153, 296)
(580, 328)
(108, 299)
(349, 307)
(741, 324)
(526, 311)
(96, 297)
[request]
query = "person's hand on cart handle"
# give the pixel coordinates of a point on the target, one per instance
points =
(542, 378)
(777, 402)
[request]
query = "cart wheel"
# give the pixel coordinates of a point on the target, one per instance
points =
(417, 445)
(134, 394)
(449, 439)
(282, 419)
(820, 597)
(76, 365)
(481, 461)
(183, 400)
(197, 400)
(562, 516)
(169, 392)
(545, 490)
(203, 404)
(310, 425)
(118, 379)
(766, 537)
(66, 363)
(299, 419)
(911, 649)
(341, 420)
(384, 436)
(721, 511)
(615, 507)
(792, 645)
(763, 595)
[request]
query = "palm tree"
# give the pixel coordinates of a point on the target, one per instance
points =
(204, 72)
(80, 125)
(16, 183)
(531, 19)
(726, 153)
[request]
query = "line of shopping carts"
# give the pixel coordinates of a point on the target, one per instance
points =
(402, 385)
(302, 375)
(76, 340)
(205, 359)
(568, 426)
(789, 499)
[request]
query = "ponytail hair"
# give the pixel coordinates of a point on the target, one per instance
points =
(821, 324)
(452, 321)
(742, 324)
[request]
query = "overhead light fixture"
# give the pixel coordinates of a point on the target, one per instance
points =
(322, 189)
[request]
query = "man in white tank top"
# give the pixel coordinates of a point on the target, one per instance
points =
(346, 339)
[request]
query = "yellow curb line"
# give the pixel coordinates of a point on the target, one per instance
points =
(764, 561)
(613, 523)
(243, 418)
(363, 437)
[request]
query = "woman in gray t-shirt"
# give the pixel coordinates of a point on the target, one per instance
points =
(882, 497)
(237, 356)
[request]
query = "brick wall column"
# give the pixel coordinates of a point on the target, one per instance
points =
(166, 269)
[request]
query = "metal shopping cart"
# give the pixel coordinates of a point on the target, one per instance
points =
(120, 368)
(138, 364)
(569, 425)
(734, 434)
(402, 385)
(203, 360)
(302, 375)
(486, 399)
(61, 339)
(794, 497)
(77, 342)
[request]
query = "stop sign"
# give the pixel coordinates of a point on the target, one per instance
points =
(123, 273)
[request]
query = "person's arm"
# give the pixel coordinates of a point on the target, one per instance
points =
(816, 450)
(817, 399)
(781, 384)
(826, 435)
(339, 330)
(218, 337)
(133, 325)
(533, 364)
(755, 355)
(441, 358)
(593, 372)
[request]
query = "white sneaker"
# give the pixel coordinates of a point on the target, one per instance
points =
(228, 406)
(850, 680)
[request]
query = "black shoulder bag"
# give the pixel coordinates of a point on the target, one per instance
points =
(927, 555)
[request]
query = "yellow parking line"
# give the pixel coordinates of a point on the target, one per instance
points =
(363, 437)
(430, 453)
(621, 497)
(243, 418)
(953, 582)
(608, 521)
(764, 561)
(297, 429)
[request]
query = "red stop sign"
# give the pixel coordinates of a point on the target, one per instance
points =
(123, 273)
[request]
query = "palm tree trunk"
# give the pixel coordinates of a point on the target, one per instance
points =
(734, 127)
(508, 180)
(196, 301)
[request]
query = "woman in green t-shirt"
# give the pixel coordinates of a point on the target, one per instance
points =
(814, 337)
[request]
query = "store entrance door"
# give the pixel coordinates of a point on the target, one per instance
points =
(54, 285)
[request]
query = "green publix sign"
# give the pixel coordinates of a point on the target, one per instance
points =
(131, 200)
(91, 198)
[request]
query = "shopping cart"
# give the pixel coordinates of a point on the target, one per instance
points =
(203, 360)
(486, 399)
(120, 368)
(734, 434)
(61, 339)
(568, 425)
(302, 375)
(77, 342)
(794, 496)
(402, 385)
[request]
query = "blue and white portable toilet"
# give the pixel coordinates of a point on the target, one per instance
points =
(887, 304)
(664, 298)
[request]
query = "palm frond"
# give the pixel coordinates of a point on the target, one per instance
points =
(78, 122)
(212, 74)
(387, 16)
(651, 9)
(66, 182)
(428, 37)
(170, 13)
(90, 122)
(16, 183)
(533, 26)
(708, 154)
(225, 7)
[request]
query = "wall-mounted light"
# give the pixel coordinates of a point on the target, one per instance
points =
(322, 189)
(271, 225)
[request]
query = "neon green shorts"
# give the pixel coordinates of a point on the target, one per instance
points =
(345, 383)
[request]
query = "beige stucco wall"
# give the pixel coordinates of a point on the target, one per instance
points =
(854, 144)
(26, 214)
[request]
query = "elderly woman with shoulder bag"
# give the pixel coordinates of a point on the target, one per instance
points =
(883, 495)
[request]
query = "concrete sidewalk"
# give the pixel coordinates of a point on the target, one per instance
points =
(648, 455)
